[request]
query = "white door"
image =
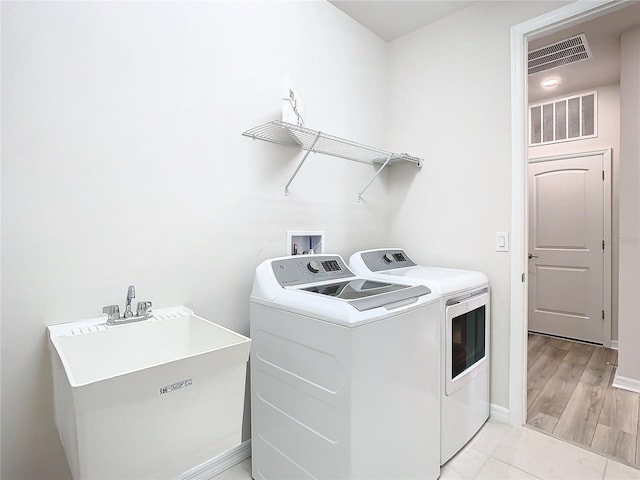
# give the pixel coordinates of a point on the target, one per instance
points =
(566, 247)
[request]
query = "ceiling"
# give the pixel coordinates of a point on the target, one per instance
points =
(392, 19)
(603, 37)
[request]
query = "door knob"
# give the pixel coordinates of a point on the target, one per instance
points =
(532, 256)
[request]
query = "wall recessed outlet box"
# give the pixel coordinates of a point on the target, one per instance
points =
(304, 242)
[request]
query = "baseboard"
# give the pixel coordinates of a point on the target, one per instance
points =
(614, 344)
(626, 383)
(217, 465)
(499, 414)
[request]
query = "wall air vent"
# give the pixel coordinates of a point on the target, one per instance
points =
(571, 50)
(564, 119)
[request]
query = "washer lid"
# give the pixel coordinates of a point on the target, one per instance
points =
(366, 294)
(388, 263)
(443, 280)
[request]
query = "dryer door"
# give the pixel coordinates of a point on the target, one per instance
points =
(466, 340)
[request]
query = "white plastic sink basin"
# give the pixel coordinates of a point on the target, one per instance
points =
(161, 396)
(128, 348)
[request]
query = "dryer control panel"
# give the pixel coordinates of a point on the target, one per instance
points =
(380, 260)
(301, 269)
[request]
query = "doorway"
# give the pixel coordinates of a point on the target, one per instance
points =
(568, 393)
(570, 15)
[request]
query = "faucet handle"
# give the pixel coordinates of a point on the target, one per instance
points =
(144, 308)
(112, 311)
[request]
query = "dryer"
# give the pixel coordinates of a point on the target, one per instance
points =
(339, 388)
(465, 318)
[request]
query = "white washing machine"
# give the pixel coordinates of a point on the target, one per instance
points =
(339, 388)
(465, 316)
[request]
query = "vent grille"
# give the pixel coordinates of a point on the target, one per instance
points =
(564, 119)
(571, 50)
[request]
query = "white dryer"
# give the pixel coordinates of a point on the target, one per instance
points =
(339, 388)
(465, 317)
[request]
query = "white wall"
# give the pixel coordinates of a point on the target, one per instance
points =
(123, 163)
(449, 100)
(608, 137)
(629, 301)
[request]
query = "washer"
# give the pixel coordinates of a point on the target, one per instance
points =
(339, 387)
(465, 317)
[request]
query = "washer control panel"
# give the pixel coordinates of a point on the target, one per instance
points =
(380, 260)
(298, 270)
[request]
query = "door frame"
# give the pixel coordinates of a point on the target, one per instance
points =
(605, 153)
(556, 20)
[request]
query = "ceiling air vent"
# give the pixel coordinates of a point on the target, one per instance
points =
(571, 50)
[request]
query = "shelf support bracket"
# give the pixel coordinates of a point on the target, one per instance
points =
(374, 177)
(286, 187)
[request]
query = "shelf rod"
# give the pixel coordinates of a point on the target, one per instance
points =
(374, 177)
(286, 187)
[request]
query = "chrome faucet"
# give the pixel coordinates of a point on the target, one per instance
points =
(143, 311)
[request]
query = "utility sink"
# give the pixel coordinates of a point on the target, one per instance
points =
(150, 399)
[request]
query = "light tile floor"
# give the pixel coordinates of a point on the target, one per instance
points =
(502, 452)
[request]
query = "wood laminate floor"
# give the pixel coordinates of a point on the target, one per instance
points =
(570, 396)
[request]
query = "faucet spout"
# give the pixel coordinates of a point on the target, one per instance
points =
(131, 294)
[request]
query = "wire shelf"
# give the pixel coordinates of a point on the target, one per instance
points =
(318, 142)
(294, 135)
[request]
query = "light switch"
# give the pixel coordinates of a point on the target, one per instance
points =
(502, 241)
